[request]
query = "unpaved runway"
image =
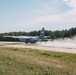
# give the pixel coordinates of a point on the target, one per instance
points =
(36, 46)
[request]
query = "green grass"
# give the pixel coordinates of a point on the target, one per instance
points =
(20, 61)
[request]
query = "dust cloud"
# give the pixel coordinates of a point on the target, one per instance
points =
(64, 43)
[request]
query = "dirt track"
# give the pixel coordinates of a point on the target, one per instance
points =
(56, 49)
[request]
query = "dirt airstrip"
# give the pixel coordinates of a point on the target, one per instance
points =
(39, 47)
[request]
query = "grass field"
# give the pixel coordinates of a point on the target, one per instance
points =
(20, 61)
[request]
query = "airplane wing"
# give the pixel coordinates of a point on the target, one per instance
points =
(26, 37)
(21, 38)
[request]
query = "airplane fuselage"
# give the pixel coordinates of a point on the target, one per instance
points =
(31, 39)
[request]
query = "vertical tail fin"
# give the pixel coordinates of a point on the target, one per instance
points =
(42, 34)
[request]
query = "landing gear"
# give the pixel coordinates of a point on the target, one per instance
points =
(26, 42)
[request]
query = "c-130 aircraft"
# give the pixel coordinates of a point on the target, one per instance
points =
(32, 39)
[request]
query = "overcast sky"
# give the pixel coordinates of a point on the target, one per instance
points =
(29, 15)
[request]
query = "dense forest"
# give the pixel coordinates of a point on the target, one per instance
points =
(53, 34)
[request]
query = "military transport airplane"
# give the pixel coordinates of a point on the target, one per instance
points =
(32, 39)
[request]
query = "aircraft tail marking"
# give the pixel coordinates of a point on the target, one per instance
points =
(42, 34)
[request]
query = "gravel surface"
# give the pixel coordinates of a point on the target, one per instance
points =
(39, 47)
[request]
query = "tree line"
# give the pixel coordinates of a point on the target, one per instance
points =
(53, 34)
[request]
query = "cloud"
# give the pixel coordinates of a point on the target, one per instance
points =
(72, 12)
(55, 17)
(71, 3)
(52, 13)
(58, 18)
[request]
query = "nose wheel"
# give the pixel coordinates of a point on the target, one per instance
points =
(26, 42)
